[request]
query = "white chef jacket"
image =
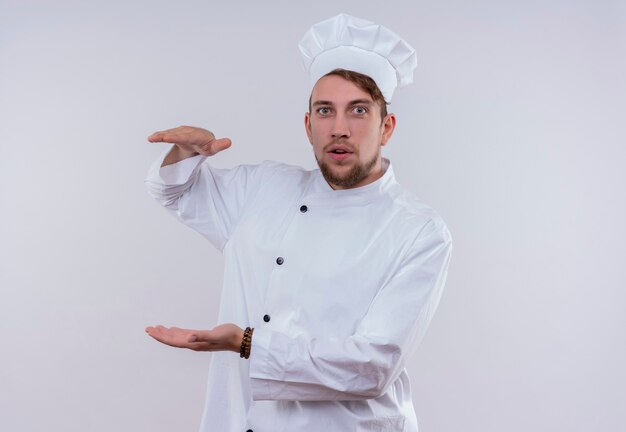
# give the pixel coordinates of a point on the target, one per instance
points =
(339, 285)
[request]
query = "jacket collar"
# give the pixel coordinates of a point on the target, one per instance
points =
(370, 191)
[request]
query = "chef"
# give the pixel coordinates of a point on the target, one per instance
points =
(331, 275)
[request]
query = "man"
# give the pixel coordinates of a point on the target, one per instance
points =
(334, 273)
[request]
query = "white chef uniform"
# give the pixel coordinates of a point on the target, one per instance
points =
(340, 286)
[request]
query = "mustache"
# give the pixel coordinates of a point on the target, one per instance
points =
(342, 142)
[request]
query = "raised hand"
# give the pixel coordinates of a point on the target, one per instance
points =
(225, 337)
(192, 140)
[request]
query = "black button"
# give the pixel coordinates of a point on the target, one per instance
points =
(304, 209)
(280, 260)
(266, 318)
(249, 430)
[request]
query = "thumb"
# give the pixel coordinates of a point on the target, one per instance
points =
(217, 145)
(200, 336)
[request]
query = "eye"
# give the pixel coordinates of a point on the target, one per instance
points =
(323, 111)
(359, 110)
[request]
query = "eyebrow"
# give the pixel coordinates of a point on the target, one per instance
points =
(353, 102)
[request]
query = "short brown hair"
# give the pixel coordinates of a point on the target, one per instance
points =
(365, 83)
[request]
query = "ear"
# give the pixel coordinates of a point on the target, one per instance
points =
(387, 128)
(307, 126)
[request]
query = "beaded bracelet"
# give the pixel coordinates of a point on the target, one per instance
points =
(246, 343)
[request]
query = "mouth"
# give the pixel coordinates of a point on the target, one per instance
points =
(339, 152)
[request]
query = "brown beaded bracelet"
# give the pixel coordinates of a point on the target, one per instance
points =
(246, 343)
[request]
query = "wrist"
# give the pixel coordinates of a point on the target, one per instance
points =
(177, 154)
(236, 341)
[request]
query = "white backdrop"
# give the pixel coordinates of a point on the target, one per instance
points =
(514, 131)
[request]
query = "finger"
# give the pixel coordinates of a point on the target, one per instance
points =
(169, 130)
(179, 132)
(174, 336)
(196, 340)
(162, 136)
(168, 335)
(168, 137)
(152, 329)
(155, 331)
(156, 136)
(171, 340)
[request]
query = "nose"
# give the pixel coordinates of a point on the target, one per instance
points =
(340, 128)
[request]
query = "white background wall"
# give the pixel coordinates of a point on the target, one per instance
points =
(514, 131)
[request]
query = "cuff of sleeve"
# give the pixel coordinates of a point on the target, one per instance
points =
(262, 375)
(174, 174)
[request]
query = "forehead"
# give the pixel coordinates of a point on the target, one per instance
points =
(338, 90)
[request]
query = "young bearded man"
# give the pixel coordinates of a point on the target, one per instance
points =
(331, 275)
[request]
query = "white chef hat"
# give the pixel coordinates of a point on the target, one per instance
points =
(355, 44)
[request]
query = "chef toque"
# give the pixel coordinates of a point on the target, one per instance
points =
(355, 44)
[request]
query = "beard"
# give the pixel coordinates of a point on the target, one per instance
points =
(354, 176)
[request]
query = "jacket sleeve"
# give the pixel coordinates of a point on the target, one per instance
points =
(207, 199)
(364, 365)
